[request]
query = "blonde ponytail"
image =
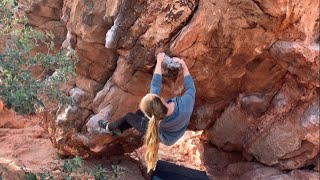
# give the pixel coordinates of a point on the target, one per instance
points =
(153, 108)
(151, 142)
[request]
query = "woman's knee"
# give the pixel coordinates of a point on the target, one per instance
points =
(130, 114)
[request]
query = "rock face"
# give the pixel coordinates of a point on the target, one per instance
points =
(255, 65)
(191, 152)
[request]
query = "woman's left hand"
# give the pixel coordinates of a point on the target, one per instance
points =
(178, 60)
(160, 57)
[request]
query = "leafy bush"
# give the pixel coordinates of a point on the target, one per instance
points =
(99, 173)
(18, 88)
(68, 169)
(116, 171)
(2, 169)
(70, 165)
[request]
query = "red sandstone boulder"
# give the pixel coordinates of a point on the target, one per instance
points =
(255, 66)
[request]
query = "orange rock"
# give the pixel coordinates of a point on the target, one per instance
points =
(1, 105)
(255, 66)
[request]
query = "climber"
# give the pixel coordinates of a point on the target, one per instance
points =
(159, 120)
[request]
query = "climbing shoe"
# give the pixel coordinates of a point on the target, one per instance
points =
(103, 124)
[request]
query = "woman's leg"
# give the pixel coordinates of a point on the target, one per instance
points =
(136, 120)
(120, 123)
(139, 122)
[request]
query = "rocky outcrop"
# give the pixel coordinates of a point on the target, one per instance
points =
(45, 16)
(191, 152)
(285, 134)
(255, 64)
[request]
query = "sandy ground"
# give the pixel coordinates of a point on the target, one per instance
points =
(25, 146)
(23, 143)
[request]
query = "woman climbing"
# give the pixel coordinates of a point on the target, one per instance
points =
(159, 120)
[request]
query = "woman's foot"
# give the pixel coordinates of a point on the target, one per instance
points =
(104, 125)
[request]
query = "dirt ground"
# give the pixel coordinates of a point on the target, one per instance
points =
(25, 147)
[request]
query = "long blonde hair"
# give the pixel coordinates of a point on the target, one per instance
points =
(152, 106)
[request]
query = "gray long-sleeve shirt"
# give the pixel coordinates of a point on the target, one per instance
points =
(174, 126)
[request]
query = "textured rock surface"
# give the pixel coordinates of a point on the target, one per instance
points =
(23, 144)
(191, 152)
(45, 16)
(255, 64)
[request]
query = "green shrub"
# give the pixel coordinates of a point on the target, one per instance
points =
(99, 173)
(18, 88)
(70, 165)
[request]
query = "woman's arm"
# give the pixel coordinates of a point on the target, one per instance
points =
(190, 90)
(156, 81)
(184, 66)
(158, 69)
